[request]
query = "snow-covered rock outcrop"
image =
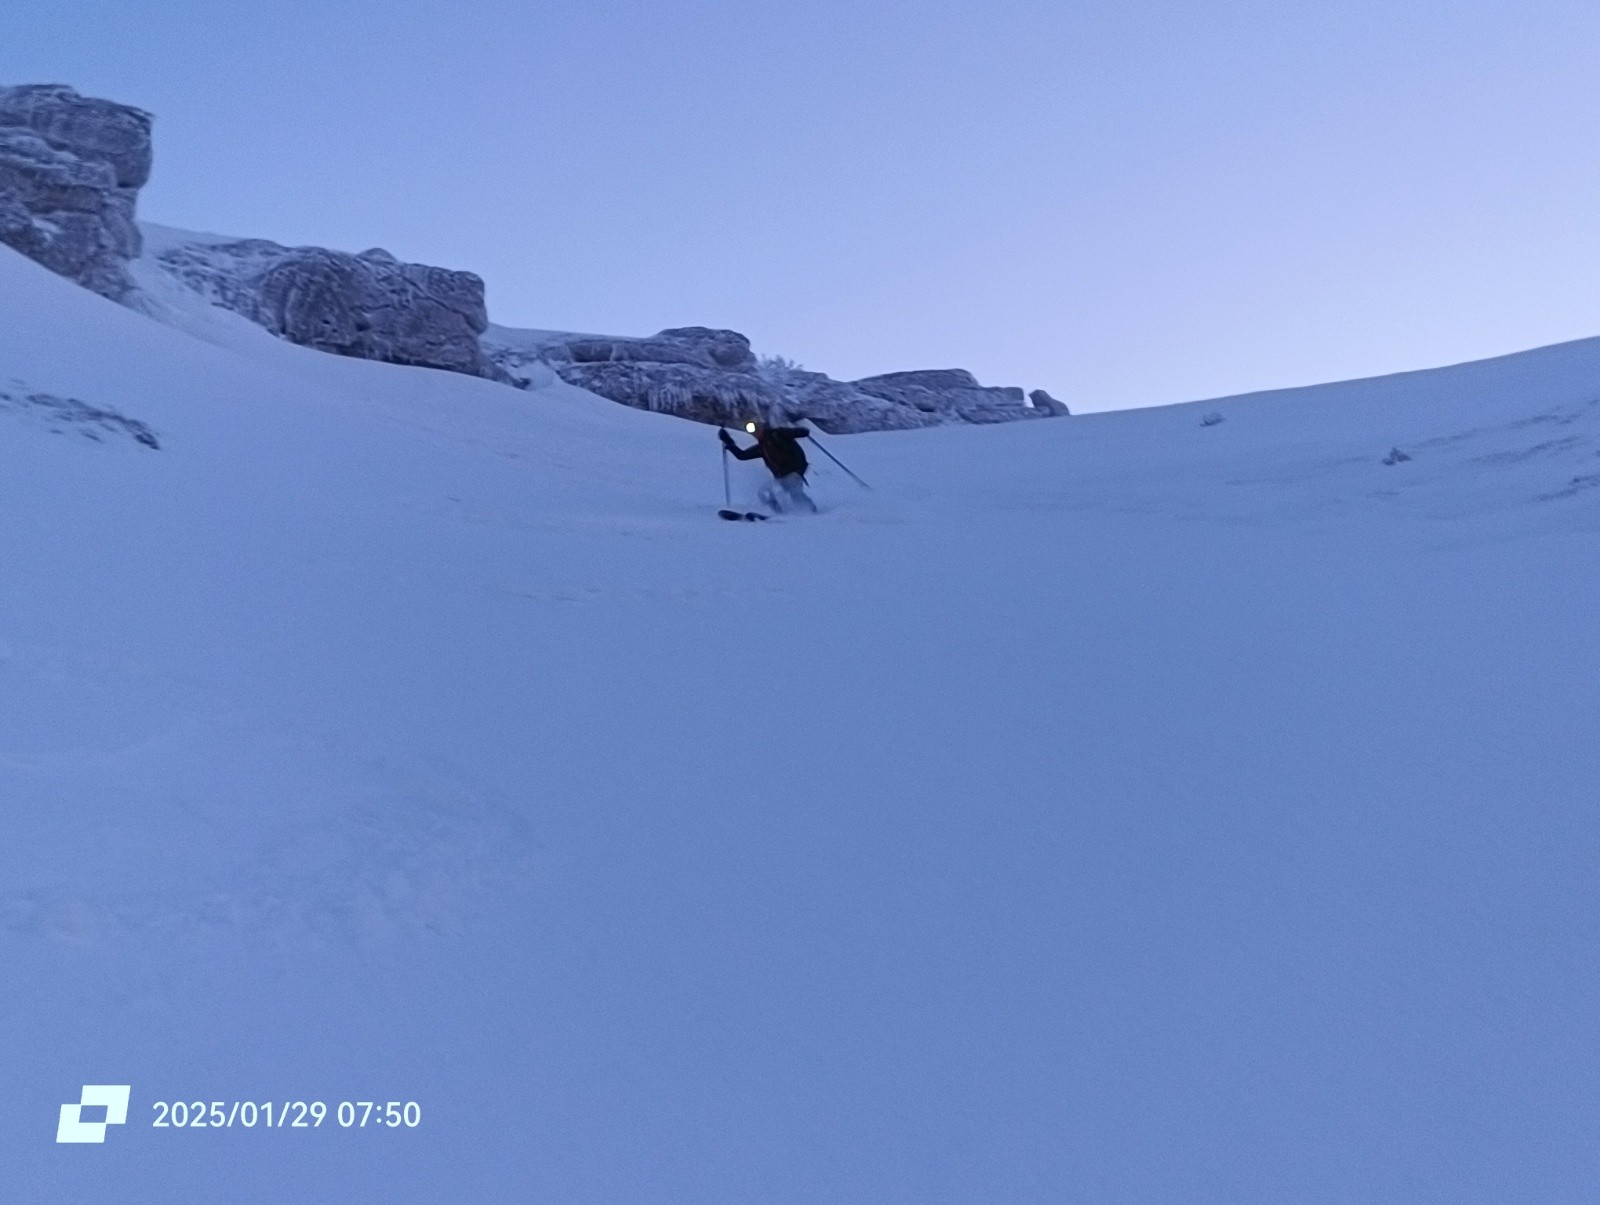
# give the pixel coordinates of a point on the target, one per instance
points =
(950, 392)
(70, 171)
(693, 372)
(370, 306)
(712, 376)
(373, 307)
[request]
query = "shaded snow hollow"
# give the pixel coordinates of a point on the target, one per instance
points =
(1122, 809)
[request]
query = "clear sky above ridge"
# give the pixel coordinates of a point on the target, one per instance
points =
(1124, 202)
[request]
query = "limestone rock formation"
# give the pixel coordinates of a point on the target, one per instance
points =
(712, 376)
(699, 345)
(370, 306)
(949, 392)
(693, 372)
(70, 170)
(1047, 405)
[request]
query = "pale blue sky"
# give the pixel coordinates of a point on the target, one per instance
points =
(1122, 202)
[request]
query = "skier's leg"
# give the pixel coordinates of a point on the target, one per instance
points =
(795, 496)
(769, 497)
(806, 499)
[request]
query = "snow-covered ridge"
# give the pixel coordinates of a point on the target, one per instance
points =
(372, 307)
(70, 171)
(713, 376)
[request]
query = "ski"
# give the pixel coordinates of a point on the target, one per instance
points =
(735, 515)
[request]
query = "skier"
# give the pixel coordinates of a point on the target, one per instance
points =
(779, 447)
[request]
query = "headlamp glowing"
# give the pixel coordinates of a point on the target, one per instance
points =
(750, 427)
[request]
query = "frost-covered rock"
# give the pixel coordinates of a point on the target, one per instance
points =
(703, 394)
(1048, 405)
(725, 349)
(71, 168)
(699, 345)
(712, 376)
(950, 393)
(900, 400)
(843, 408)
(371, 306)
(693, 372)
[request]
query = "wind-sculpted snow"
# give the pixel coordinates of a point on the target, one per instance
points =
(70, 171)
(370, 306)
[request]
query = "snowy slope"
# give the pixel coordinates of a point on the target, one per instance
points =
(1118, 809)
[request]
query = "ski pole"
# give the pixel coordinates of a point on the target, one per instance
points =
(727, 492)
(838, 462)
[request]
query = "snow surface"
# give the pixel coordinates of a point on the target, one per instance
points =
(1116, 809)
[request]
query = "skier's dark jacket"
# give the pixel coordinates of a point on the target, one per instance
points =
(779, 447)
